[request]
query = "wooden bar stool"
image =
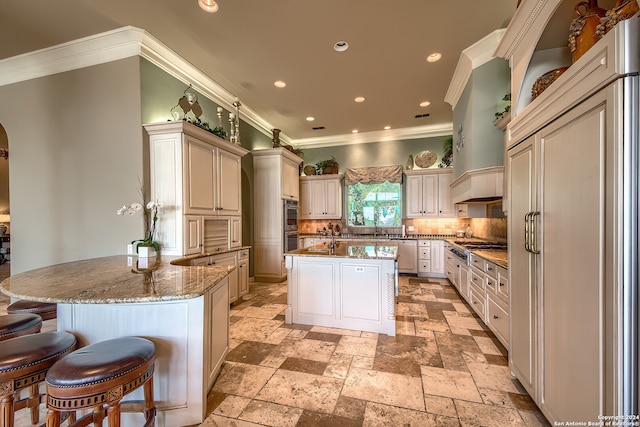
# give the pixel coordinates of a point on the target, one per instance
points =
(15, 325)
(97, 377)
(24, 362)
(46, 310)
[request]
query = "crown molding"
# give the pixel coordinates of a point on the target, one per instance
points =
(472, 57)
(130, 41)
(444, 129)
(115, 45)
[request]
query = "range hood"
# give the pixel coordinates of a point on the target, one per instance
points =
(479, 186)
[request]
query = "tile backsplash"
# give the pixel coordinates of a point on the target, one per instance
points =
(494, 229)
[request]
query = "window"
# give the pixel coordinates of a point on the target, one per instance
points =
(374, 205)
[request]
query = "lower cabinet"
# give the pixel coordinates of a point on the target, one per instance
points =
(216, 331)
(489, 295)
(238, 278)
(431, 260)
(407, 258)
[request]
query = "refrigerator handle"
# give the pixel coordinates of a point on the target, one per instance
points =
(534, 242)
(527, 217)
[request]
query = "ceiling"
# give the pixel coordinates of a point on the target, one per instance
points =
(249, 44)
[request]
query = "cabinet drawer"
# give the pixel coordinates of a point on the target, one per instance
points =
(424, 253)
(503, 283)
(476, 261)
(243, 254)
(491, 269)
(477, 302)
(424, 243)
(477, 280)
(424, 266)
(498, 319)
(491, 284)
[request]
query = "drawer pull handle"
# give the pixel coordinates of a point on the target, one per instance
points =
(495, 317)
(489, 269)
(501, 284)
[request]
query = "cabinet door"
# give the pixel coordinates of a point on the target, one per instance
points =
(333, 199)
(231, 260)
(243, 277)
(437, 256)
(574, 286)
(200, 169)
(193, 238)
(522, 183)
(290, 179)
(229, 186)
(216, 330)
(306, 197)
(430, 195)
(318, 200)
(414, 196)
(445, 202)
(235, 232)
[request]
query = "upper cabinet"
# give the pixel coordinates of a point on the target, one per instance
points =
(321, 197)
(428, 194)
(196, 176)
(290, 175)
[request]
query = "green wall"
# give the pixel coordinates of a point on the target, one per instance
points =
(376, 153)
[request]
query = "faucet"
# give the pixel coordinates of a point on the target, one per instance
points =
(330, 232)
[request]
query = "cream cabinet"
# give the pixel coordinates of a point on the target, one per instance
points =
(572, 168)
(238, 278)
(431, 260)
(407, 256)
(196, 177)
(427, 193)
(321, 197)
(271, 187)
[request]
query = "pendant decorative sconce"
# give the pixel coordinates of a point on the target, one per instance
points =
(4, 153)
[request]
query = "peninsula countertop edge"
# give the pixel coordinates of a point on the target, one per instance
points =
(118, 279)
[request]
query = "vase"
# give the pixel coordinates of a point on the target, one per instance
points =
(276, 138)
(583, 29)
(146, 251)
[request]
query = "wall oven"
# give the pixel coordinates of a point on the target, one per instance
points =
(290, 226)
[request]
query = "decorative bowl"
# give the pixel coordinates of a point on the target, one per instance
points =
(309, 170)
(545, 80)
(426, 158)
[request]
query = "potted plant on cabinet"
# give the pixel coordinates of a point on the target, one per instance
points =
(329, 166)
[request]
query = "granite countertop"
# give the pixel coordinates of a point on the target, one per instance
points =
(115, 279)
(498, 257)
(345, 249)
(379, 237)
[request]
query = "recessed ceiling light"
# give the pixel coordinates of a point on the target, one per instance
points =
(341, 46)
(208, 5)
(354, 131)
(387, 127)
(310, 119)
(359, 99)
(279, 83)
(434, 57)
(425, 103)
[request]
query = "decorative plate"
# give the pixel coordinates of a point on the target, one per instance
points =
(426, 158)
(309, 170)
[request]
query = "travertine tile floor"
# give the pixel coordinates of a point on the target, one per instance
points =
(443, 368)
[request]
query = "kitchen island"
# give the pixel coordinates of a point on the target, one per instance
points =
(183, 309)
(351, 286)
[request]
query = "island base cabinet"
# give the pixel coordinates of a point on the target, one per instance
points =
(340, 293)
(191, 338)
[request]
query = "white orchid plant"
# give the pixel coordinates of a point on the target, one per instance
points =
(152, 207)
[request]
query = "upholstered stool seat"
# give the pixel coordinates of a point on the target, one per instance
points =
(97, 377)
(46, 310)
(14, 325)
(24, 362)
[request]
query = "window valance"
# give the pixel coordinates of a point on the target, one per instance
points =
(373, 175)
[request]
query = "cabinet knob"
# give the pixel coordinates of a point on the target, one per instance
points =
(501, 284)
(495, 317)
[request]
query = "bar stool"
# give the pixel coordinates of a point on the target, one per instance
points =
(15, 325)
(24, 362)
(97, 377)
(46, 310)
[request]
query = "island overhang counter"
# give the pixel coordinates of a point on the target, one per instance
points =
(183, 309)
(352, 286)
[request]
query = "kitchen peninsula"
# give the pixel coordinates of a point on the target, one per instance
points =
(350, 286)
(183, 309)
